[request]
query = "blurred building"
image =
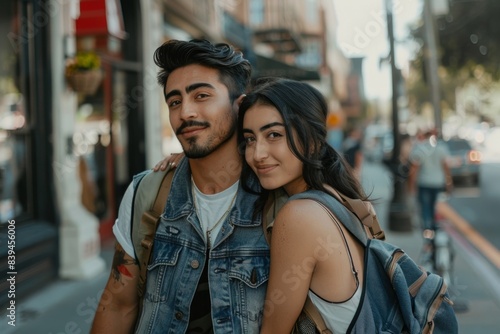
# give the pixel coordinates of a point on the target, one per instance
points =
(70, 142)
(353, 105)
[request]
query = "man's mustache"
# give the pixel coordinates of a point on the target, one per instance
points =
(190, 123)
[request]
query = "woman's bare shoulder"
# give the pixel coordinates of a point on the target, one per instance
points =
(302, 214)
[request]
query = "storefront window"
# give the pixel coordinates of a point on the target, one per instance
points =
(13, 119)
(100, 141)
(91, 141)
(256, 12)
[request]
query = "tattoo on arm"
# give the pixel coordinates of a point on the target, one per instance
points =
(119, 269)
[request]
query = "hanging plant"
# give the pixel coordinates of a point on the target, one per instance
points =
(83, 72)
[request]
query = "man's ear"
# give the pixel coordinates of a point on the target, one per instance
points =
(240, 99)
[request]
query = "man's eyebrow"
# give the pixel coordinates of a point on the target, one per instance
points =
(172, 93)
(194, 86)
(189, 89)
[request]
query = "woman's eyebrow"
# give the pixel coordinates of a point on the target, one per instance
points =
(264, 127)
(270, 125)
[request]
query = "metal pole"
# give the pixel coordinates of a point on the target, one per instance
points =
(399, 213)
(395, 81)
(431, 64)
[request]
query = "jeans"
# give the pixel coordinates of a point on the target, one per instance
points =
(427, 197)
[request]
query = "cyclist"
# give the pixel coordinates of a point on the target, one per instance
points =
(429, 176)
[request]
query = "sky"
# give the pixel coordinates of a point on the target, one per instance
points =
(362, 32)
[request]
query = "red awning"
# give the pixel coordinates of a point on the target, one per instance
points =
(100, 17)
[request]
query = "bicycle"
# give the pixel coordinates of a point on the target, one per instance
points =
(441, 256)
(437, 252)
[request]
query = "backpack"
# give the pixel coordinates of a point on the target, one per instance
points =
(398, 296)
(151, 190)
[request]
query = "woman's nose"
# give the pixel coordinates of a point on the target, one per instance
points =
(260, 151)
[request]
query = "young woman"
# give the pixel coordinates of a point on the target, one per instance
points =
(282, 133)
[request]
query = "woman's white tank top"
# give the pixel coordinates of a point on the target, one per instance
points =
(337, 316)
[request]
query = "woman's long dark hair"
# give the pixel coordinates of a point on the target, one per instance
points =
(304, 111)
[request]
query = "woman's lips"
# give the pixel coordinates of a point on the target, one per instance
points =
(265, 169)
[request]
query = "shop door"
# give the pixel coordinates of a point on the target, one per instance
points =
(111, 125)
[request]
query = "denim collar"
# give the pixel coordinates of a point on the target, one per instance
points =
(180, 201)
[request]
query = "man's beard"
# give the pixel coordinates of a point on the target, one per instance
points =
(193, 150)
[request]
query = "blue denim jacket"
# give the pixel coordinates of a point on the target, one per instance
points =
(238, 266)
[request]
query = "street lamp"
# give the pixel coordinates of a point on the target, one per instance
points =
(399, 213)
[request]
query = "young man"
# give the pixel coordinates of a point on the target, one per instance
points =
(429, 175)
(210, 262)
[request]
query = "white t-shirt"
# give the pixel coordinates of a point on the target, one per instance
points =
(121, 228)
(210, 209)
(213, 209)
(430, 156)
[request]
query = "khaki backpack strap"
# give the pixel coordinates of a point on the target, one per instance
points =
(312, 312)
(362, 209)
(365, 213)
(149, 219)
(161, 197)
(149, 223)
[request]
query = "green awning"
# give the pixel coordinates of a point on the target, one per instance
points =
(269, 67)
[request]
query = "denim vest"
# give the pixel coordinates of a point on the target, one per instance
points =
(238, 266)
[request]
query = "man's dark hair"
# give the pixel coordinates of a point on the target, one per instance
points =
(235, 71)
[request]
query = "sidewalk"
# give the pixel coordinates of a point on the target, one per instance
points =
(63, 307)
(67, 307)
(377, 183)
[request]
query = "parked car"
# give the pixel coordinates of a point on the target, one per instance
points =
(464, 161)
(377, 143)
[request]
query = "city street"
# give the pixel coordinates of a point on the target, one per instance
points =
(478, 205)
(474, 282)
(68, 306)
(83, 110)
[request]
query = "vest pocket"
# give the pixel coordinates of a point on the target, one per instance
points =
(252, 271)
(248, 284)
(165, 256)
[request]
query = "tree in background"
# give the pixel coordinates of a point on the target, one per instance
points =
(469, 49)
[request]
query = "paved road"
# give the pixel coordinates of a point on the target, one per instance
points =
(479, 205)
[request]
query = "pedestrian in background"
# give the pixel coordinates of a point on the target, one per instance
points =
(429, 175)
(352, 149)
